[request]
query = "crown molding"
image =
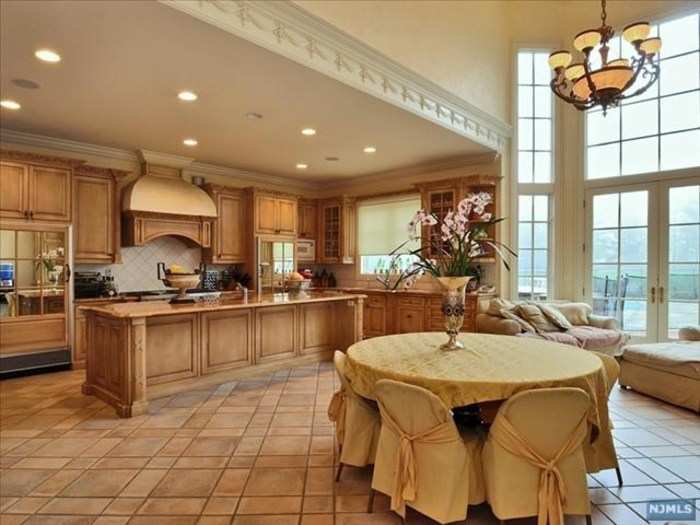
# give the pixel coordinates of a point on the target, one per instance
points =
(419, 169)
(11, 137)
(287, 29)
(164, 159)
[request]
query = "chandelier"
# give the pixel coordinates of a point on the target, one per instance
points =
(583, 87)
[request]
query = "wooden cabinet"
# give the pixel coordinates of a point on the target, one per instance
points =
(230, 227)
(227, 340)
(96, 224)
(276, 333)
(374, 317)
(337, 232)
(409, 315)
(35, 192)
(316, 327)
(308, 212)
(275, 214)
(177, 344)
(79, 345)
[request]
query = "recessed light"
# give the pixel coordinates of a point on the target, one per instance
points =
(308, 131)
(302, 166)
(47, 55)
(370, 149)
(25, 83)
(253, 116)
(187, 96)
(190, 142)
(10, 104)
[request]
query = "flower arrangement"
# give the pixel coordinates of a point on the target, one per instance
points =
(462, 240)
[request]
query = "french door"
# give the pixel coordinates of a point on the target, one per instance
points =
(643, 251)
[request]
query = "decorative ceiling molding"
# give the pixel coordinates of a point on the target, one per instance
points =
(288, 30)
(164, 159)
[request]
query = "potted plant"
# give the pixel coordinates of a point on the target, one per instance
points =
(452, 256)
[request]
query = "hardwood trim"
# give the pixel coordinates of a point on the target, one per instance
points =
(39, 159)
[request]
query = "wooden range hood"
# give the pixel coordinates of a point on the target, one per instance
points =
(161, 203)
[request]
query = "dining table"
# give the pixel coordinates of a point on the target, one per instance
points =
(490, 368)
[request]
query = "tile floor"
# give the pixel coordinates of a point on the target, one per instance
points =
(261, 452)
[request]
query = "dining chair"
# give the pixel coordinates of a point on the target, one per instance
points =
(422, 459)
(604, 450)
(533, 459)
(357, 422)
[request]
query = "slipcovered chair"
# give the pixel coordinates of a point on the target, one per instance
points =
(533, 459)
(422, 459)
(357, 422)
(602, 455)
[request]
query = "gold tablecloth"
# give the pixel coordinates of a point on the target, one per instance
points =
(490, 368)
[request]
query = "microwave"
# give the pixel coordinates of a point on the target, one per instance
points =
(306, 250)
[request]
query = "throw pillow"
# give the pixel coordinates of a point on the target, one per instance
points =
(575, 313)
(496, 305)
(554, 315)
(524, 325)
(533, 315)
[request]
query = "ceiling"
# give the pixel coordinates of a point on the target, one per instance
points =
(124, 63)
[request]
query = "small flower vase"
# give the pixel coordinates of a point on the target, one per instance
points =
(453, 309)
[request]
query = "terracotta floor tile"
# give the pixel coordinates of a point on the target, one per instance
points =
(285, 445)
(56, 483)
(163, 520)
(119, 463)
(221, 506)
(319, 481)
(281, 461)
(145, 446)
(291, 419)
(176, 506)
(58, 520)
(143, 483)
(317, 519)
(64, 447)
(232, 482)
(249, 446)
(317, 504)
(175, 446)
(124, 506)
(99, 483)
(211, 446)
(26, 506)
(275, 482)
(201, 462)
(229, 420)
(215, 520)
(42, 463)
(187, 483)
(266, 505)
(18, 482)
(75, 506)
(266, 520)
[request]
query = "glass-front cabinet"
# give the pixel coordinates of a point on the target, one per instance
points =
(276, 261)
(34, 274)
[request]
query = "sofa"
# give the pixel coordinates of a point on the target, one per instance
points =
(561, 322)
(669, 371)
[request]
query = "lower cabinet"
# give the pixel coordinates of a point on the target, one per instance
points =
(317, 327)
(374, 316)
(276, 333)
(174, 340)
(227, 340)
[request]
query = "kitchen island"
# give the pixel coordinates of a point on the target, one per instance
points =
(138, 351)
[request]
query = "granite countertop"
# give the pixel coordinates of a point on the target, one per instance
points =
(158, 308)
(395, 292)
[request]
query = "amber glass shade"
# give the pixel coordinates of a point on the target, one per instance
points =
(559, 59)
(587, 39)
(609, 77)
(636, 32)
(574, 71)
(619, 62)
(651, 46)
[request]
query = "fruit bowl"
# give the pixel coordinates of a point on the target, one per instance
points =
(180, 280)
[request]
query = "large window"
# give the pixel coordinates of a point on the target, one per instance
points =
(382, 227)
(659, 130)
(534, 164)
(534, 118)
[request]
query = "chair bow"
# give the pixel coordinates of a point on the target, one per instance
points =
(336, 413)
(405, 484)
(551, 496)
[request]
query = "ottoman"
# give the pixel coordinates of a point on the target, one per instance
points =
(668, 371)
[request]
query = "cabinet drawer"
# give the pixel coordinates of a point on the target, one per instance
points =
(376, 300)
(411, 301)
(410, 320)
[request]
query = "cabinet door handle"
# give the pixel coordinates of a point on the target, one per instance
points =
(661, 295)
(653, 294)
(67, 272)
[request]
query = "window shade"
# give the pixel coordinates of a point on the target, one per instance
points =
(382, 224)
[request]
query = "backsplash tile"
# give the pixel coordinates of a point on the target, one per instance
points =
(138, 268)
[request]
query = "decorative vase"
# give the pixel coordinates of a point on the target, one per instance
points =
(453, 308)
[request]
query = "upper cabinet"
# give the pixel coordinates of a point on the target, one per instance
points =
(337, 231)
(229, 228)
(35, 187)
(96, 215)
(308, 213)
(274, 214)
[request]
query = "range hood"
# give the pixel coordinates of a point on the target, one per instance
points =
(161, 203)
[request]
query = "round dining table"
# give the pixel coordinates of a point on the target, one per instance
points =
(489, 368)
